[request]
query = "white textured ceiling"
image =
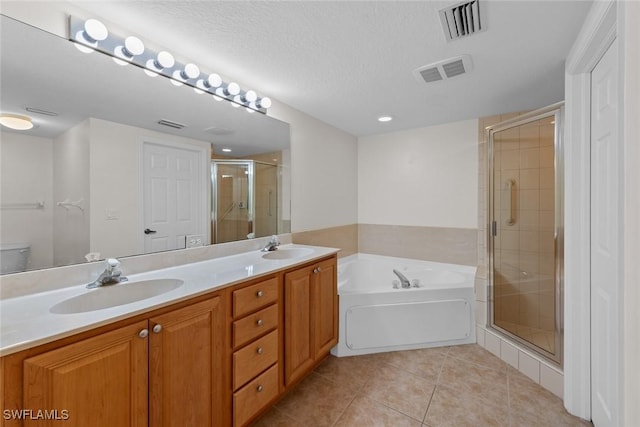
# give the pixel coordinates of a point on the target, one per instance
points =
(347, 62)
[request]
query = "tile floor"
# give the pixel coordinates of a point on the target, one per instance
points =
(449, 386)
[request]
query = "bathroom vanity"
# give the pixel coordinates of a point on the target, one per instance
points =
(196, 355)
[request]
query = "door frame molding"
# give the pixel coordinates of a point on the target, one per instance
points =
(596, 35)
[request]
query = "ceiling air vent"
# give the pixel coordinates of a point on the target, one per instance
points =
(461, 20)
(171, 124)
(444, 70)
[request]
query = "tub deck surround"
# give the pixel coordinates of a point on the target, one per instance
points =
(26, 321)
(376, 317)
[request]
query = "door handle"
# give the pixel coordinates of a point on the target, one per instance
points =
(149, 231)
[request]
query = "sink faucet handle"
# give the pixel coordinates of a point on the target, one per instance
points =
(274, 239)
(112, 263)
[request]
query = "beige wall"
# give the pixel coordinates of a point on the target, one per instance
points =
(26, 176)
(424, 177)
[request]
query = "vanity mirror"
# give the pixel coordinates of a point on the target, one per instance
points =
(117, 163)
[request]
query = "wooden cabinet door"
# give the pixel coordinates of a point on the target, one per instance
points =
(325, 308)
(186, 366)
(298, 352)
(101, 381)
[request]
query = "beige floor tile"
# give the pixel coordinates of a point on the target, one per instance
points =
(530, 404)
(400, 390)
(475, 354)
(457, 408)
(275, 418)
(486, 383)
(351, 372)
(316, 401)
(369, 413)
(425, 363)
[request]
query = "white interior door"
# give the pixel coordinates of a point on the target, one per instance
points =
(173, 197)
(606, 227)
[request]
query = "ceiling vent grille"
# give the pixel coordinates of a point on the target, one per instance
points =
(461, 20)
(171, 124)
(444, 70)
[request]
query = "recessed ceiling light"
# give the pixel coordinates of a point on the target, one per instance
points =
(226, 150)
(16, 122)
(385, 119)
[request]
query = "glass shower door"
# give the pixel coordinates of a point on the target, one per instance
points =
(525, 244)
(232, 201)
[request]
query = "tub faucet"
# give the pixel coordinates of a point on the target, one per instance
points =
(111, 275)
(403, 279)
(272, 245)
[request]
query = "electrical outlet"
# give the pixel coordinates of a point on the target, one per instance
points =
(194, 240)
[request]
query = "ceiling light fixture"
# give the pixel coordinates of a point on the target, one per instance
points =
(226, 150)
(91, 34)
(16, 122)
(384, 119)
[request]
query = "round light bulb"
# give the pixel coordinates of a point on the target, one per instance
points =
(16, 122)
(133, 46)
(163, 60)
(214, 80)
(233, 89)
(191, 71)
(250, 96)
(95, 31)
(265, 102)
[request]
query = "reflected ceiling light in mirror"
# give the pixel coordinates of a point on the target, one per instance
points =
(226, 150)
(91, 34)
(385, 119)
(15, 121)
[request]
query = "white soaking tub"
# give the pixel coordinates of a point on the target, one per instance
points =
(376, 317)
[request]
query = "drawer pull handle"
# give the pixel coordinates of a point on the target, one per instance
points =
(259, 388)
(143, 333)
(157, 328)
(259, 350)
(259, 322)
(259, 294)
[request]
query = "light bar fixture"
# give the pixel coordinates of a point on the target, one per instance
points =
(91, 34)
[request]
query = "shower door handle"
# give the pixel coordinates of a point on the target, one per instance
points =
(509, 200)
(494, 229)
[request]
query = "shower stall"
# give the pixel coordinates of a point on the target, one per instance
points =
(245, 200)
(526, 230)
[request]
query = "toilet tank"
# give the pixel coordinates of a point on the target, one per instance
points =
(14, 257)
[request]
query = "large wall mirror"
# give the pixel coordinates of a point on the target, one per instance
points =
(120, 163)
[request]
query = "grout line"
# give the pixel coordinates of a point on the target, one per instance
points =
(433, 393)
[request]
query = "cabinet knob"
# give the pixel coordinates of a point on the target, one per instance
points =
(157, 328)
(143, 333)
(259, 388)
(259, 322)
(317, 270)
(259, 294)
(259, 350)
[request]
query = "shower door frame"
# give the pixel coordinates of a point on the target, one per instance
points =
(557, 111)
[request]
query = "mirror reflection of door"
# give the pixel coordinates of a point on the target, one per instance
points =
(173, 210)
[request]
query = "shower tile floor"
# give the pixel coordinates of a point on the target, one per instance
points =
(449, 386)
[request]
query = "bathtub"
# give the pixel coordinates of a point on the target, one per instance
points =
(377, 317)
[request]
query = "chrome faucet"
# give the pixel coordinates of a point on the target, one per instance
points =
(272, 245)
(111, 275)
(403, 279)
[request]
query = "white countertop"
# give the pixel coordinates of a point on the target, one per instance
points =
(26, 321)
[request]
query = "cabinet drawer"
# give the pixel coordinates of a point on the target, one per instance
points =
(256, 296)
(250, 399)
(254, 358)
(254, 325)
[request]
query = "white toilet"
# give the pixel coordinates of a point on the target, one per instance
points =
(14, 257)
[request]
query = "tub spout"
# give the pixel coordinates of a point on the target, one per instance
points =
(405, 282)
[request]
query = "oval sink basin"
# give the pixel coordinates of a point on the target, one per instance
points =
(115, 295)
(288, 253)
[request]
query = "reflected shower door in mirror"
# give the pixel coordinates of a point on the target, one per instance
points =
(526, 217)
(246, 196)
(72, 185)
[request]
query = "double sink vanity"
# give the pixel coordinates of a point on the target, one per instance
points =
(213, 343)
